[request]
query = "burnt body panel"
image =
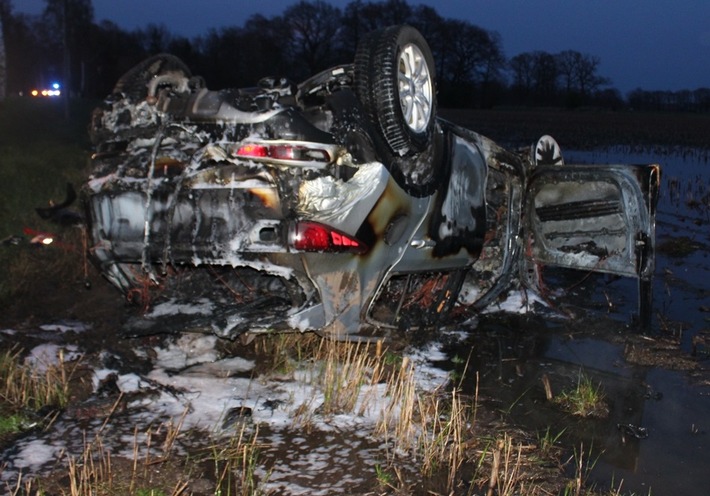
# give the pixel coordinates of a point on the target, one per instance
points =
(587, 217)
(279, 208)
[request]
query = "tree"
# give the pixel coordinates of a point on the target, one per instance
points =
(155, 38)
(66, 22)
(360, 18)
(588, 79)
(114, 51)
(567, 62)
(522, 67)
(578, 73)
(3, 58)
(313, 29)
(544, 76)
(471, 59)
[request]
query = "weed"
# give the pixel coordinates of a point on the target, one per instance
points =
(547, 442)
(344, 370)
(443, 440)
(582, 470)
(505, 470)
(585, 400)
(14, 424)
(150, 492)
(396, 422)
(384, 477)
(235, 462)
(25, 387)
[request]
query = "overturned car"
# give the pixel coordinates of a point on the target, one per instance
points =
(342, 205)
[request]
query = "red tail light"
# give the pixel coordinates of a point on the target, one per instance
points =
(291, 153)
(311, 236)
(253, 151)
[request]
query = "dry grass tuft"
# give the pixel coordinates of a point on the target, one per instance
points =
(23, 386)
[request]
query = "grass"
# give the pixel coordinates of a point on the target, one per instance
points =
(588, 129)
(235, 464)
(438, 433)
(40, 152)
(12, 423)
(230, 462)
(431, 439)
(25, 387)
(548, 442)
(585, 399)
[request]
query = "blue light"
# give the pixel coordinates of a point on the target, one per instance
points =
(55, 86)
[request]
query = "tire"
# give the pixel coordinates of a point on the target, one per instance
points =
(394, 80)
(134, 83)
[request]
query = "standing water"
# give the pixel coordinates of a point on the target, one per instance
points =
(652, 437)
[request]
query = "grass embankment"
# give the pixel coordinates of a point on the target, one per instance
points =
(40, 152)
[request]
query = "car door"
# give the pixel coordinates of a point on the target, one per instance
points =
(598, 218)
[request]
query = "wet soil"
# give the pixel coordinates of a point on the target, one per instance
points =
(655, 381)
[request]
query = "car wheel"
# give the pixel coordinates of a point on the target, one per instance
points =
(135, 84)
(547, 152)
(395, 82)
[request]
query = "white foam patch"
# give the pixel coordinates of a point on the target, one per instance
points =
(48, 355)
(211, 394)
(64, 327)
(35, 453)
(517, 302)
(173, 307)
(188, 350)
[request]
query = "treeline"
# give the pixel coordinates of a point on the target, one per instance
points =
(65, 43)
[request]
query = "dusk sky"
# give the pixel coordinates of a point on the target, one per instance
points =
(651, 44)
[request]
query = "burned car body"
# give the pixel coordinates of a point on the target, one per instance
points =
(342, 205)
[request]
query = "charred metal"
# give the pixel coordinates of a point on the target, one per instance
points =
(326, 207)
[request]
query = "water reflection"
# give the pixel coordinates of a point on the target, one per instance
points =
(590, 335)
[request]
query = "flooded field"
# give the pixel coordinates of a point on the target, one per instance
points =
(163, 401)
(655, 382)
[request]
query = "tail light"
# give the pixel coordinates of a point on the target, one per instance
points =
(312, 236)
(287, 152)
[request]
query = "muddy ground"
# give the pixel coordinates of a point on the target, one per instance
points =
(508, 359)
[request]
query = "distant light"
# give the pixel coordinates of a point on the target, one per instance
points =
(46, 92)
(55, 86)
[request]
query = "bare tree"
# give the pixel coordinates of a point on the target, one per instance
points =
(360, 18)
(3, 58)
(578, 72)
(155, 38)
(587, 77)
(66, 23)
(522, 67)
(313, 28)
(473, 53)
(567, 63)
(544, 76)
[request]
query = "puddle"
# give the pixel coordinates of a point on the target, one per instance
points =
(593, 335)
(670, 409)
